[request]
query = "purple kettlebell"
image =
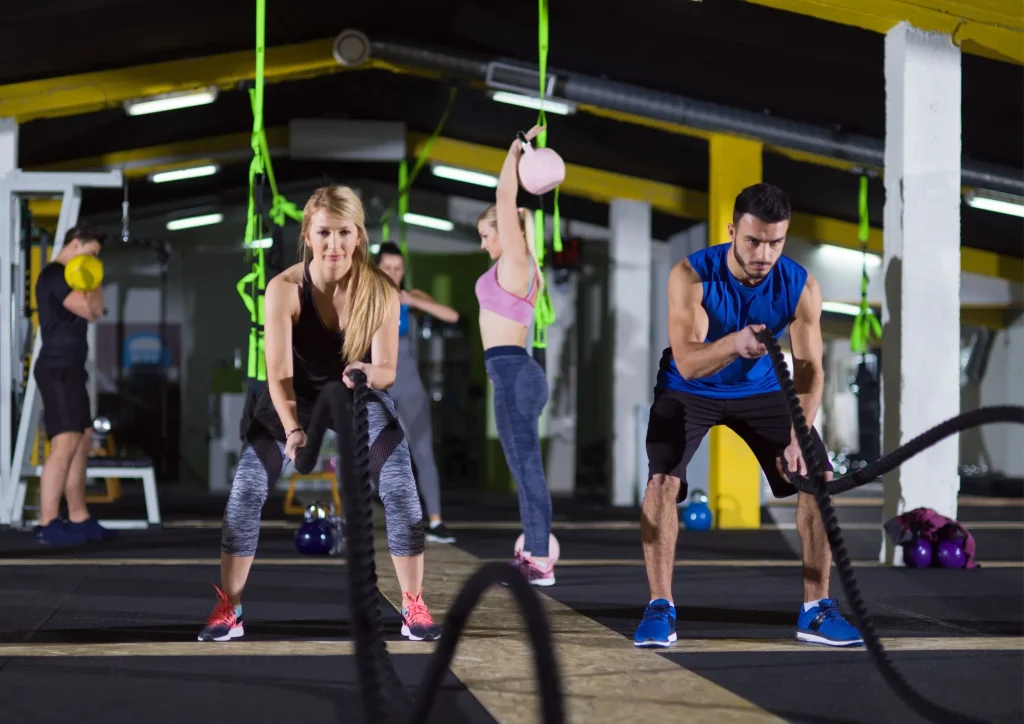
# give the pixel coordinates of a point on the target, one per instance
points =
(917, 553)
(950, 553)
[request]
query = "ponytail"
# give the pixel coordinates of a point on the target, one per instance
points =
(370, 295)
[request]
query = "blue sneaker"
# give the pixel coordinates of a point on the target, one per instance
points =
(92, 530)
(824, 624)
(56, 534)
(658, 627)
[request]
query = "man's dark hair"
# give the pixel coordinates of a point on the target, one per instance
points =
(85, 232)
(766, 202)
(388, 247)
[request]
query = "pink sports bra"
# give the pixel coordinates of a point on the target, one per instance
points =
(494, 298)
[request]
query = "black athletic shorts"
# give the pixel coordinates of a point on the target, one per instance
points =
(65, 397)
(679, 422)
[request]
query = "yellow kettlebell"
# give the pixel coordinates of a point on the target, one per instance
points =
(84, 273)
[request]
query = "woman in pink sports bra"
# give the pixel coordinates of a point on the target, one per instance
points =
(507, 293)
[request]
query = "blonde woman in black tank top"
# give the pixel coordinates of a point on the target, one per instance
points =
(332, 313)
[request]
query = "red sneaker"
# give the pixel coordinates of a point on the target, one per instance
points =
(223, 624)
(417, 625)
(535, 575)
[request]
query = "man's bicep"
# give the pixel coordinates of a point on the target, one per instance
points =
(684, 310)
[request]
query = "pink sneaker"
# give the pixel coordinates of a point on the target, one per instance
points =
(536, 575)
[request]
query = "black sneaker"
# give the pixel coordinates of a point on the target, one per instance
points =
(439, 534)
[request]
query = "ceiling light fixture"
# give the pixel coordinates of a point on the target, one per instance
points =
(466, 176)
(429, 222)
(191, 222)
(851, 310)
(562, 108)
(170, 102)
(180, 174)
(845, 256)
(995, 201)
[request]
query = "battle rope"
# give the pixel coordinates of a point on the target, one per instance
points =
(384, 697)
(822, 494)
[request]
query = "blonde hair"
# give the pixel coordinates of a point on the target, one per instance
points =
(490, 216)
(370, 291)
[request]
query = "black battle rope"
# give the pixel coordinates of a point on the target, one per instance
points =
(821, 492)
(385, 700)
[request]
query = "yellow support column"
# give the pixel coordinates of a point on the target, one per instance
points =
(734, 485)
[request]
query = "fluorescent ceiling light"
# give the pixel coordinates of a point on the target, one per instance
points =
(264, 243)
(562, 108)
(191, 222)
(428, 221)
(170, 102)
(180, 174)
(374, 248)
(841, 308)
(466, 176)
(995, 201)
(841, 255)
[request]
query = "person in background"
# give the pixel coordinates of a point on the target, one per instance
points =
(64, 316)
(508, 293)
(411, 401)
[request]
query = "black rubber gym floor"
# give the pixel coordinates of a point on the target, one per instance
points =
(67, 600)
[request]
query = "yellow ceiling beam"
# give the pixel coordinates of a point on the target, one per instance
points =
(989, 28)
(580, 181)
(140, 162)
(89, 92)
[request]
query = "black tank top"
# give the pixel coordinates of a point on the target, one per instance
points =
(316, 360)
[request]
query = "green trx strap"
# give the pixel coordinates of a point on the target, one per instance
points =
(866, 324)
(281, 208)
(544, 313)
(403, 208)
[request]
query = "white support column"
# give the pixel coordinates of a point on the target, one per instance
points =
(8, 251)
(629, 252)
(921, 313)
(8, 145)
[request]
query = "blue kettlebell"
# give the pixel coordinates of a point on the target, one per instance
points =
(697, 513)
(315, 536)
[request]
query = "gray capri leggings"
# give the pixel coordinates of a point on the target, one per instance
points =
(262, 460)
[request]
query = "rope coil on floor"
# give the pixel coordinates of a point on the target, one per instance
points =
(822, 494)
(384, 697)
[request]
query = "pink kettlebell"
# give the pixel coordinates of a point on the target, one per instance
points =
(540, 169)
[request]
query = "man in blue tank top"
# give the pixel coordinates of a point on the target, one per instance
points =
(716, 373)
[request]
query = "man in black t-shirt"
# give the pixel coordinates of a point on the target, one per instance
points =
(64, 315)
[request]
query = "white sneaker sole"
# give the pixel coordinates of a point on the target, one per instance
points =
(440, 539)
(408, 634)
(809, 638)
(656, 644)
(236, 632)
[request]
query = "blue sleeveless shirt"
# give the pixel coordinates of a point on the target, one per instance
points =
(730, 307)
(403, 320)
